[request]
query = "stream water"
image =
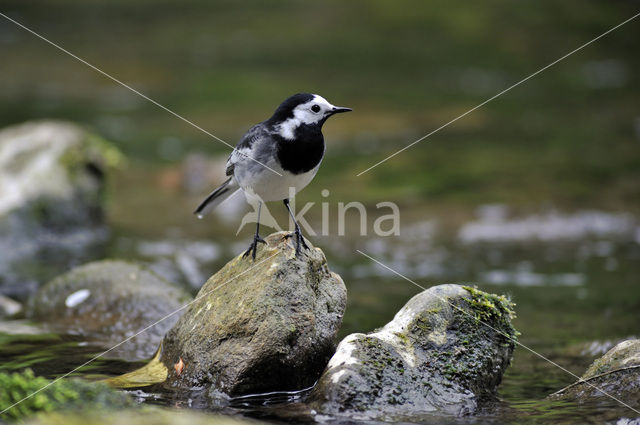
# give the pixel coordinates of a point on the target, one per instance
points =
(573, 277)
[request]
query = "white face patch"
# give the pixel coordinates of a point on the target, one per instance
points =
(307, 113)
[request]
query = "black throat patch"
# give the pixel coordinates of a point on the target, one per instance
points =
(304, 152)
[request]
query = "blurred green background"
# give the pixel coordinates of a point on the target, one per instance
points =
(568, 139)
(570, 135)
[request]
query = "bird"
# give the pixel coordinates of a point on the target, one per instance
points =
(277, 158)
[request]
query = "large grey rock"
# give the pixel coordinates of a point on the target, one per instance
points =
(617, 374)
(52, 180)
(108, 301)
(259, 326)
(436, 356)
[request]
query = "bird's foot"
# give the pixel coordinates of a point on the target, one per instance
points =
(254, 247)
(299, 241)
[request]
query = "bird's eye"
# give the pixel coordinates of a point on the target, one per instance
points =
(315, 108)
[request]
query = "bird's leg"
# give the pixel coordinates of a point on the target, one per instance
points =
(256, 238)
(298, 234)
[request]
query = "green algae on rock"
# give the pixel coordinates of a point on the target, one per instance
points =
(262, 325)
(64, 394)
(492, 307)
(436, 356)
(108, 301)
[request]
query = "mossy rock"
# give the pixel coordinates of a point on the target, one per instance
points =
(108, 301)
(53, 180)
(258, 326)
(53, 160)
(32, 395)
(625, 354)
(616, 373)
(444, 352)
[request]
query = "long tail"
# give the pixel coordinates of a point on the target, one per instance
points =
(216, 197)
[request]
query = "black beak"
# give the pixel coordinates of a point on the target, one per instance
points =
(338, 110)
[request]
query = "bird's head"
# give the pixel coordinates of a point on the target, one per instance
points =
(303, 108)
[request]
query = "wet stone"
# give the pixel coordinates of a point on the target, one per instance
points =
(437, 356)
(617, 374)
(108, 301)
(258, 326)
(52, 183)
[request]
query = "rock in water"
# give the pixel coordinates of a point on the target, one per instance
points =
(52, 180)
(436, 356)
(617, 373)
(108, 301)
(257, 326)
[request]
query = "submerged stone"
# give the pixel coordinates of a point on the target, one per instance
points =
(109, 301)
(617, 374)
(257, 326)
(52, 184)
(444, 353)
(625, 354)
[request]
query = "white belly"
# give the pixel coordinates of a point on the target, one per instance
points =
(269, 186)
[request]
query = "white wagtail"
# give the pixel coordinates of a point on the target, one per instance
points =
(277, 158)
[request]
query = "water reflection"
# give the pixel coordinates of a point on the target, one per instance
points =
(493, 225)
